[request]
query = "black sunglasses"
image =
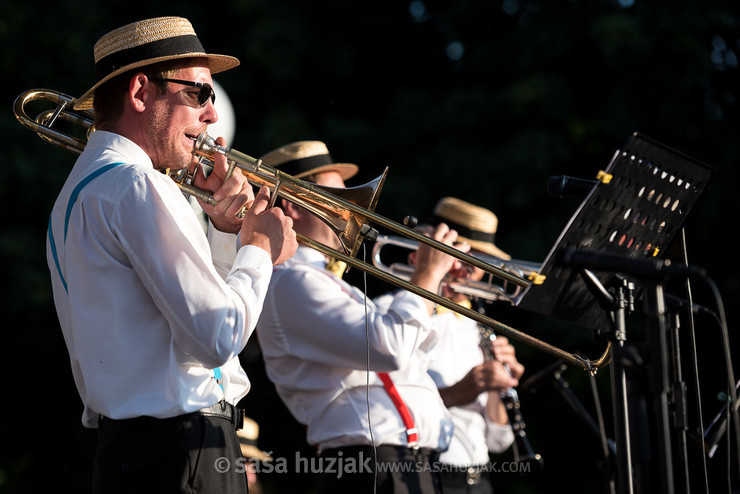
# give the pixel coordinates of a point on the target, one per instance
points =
(205, 90)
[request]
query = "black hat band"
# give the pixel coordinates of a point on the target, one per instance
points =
(303, 165)
(247, 442)
(464, 231)
(176, 45)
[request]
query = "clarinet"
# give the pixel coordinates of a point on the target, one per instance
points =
(523, 452)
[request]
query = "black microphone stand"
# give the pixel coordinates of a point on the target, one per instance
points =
(624, 361)
(620, 232)
(608, 447)
(649, 378)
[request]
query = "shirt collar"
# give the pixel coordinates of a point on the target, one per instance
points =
(310, 256)
(121, 144)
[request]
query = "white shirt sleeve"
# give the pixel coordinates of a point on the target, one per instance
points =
(498, 436)
(211, 319)
(223, 249)
(327, 322)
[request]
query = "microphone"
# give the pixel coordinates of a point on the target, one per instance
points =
(641, 268)
(565, 186)
(532, 382)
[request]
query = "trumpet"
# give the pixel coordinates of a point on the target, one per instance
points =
(349, 212)
(485, 289)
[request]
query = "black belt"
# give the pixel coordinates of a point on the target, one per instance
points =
(470, 475)
(385, 453)
(225, 410)
(221, 409)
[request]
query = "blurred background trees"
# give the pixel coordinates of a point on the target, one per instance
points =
(480, 100)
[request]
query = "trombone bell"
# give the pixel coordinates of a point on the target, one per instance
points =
(343, 209)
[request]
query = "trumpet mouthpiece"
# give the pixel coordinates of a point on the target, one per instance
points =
(204, 141)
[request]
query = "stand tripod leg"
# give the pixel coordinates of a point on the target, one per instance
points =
(625, 480)
(659, 379)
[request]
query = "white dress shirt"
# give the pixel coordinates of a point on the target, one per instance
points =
(318, 336)
(456, 352)
(145, 314)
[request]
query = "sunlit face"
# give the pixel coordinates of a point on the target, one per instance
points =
(175, 119)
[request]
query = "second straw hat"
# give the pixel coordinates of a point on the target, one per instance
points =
(474, 224)
(303, 158)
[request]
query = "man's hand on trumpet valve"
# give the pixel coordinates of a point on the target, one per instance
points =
(232, 194)
(432, 265)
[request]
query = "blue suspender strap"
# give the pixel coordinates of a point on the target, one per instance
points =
(72, 200)
(70, 204)
(55, 255)
(217, 377)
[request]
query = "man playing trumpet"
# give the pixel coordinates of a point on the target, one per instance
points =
(469, 371)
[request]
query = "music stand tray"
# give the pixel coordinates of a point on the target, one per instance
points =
(635, 209)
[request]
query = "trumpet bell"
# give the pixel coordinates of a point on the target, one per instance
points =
(489, 288)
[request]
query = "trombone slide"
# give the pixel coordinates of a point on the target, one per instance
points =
(349, 216)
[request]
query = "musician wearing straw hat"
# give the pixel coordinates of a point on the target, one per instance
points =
(470, 381)
(152, 327)
(353, 375)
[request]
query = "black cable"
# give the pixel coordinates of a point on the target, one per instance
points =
(367, 374)
(730, 372)
(694, 358)
(599, 416)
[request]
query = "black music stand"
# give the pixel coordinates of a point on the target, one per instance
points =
(611, 248)
(636, 214)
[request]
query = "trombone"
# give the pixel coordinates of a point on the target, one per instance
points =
(349, 212)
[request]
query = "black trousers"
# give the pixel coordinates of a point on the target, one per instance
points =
(398, 470)
(190, 454)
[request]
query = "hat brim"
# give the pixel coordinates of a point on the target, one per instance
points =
(480, 246)
(216, 64)
(346, 170)
(486, 248)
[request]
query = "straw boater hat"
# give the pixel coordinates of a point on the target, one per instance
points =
(145, 43)
(248, 435)
(305, 158)
(474, 224)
